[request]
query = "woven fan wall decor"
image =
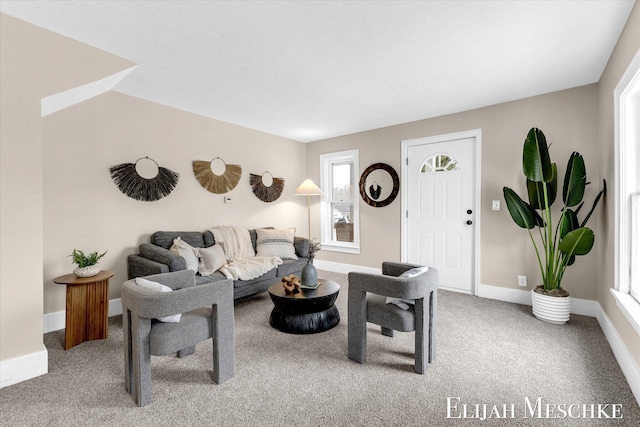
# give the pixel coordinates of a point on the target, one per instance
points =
(129, 181)
(264, 193)
(218, 184)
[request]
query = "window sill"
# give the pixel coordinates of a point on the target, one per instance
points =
(629, 307)
(339, 248)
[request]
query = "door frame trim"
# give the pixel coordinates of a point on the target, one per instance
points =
(404, 241)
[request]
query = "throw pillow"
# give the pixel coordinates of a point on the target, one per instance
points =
(212, 258)
(414, 272)
(151, 286)
(187, 252)
(276, 243)
(403, 303)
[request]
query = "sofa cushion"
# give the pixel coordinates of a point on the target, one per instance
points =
(379, 312)
(165, 238)
(271, 274)
(302, 246)
(166, 338)
(207, 236)
(276, 243)
(187, 252)
(201, 280)
(212, 259)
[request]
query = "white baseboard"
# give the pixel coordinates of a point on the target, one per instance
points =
(13, 371)
(337, 267)
(625, 359)
(55, 321)
(516, 296)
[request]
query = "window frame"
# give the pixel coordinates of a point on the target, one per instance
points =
(326, 219)
(626, 106)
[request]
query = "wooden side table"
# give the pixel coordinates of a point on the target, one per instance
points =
(87, 316)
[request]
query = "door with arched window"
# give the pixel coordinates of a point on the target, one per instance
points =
(440, 209)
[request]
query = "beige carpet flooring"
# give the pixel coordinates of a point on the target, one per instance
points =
(488, 352)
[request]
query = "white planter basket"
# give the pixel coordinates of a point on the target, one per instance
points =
(551, 309)
(89, 271)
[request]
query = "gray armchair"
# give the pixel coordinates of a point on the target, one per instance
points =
(207, 312)
(367, 303)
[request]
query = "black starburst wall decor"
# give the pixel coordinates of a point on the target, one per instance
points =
(129, 181)
(264, 193)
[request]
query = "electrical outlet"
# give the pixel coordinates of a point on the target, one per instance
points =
(522, 281)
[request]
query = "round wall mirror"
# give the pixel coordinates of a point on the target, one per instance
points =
(379, 185)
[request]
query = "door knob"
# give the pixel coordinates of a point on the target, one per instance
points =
(469, 211)
(469, 222)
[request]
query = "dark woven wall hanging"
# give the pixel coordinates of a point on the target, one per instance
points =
(264, 193)
(218, 184)
(138, 187)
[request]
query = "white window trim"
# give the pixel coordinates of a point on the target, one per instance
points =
(629, 306)
(325, 215)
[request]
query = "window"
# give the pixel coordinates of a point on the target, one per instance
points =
(340, 216)
(635, 247)
(439, 163)
(627, 190)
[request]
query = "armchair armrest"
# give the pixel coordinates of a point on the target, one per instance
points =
(176, 279)
(390, 286)
(151, 305)
(397, 268)
(164, 256)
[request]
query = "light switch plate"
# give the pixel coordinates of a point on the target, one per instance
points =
(495, 205)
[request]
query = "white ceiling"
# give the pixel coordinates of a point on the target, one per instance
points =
(318, 69)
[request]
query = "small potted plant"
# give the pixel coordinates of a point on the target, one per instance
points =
(87, 264)
(556, 248)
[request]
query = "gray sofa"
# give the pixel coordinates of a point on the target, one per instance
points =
(155, 257)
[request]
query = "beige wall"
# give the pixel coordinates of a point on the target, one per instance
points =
(34, 63)
(56, 190)
(627, 47)
(84, 209)
(20, 205)
(568, 119)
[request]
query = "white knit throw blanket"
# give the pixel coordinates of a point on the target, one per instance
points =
(242, 262)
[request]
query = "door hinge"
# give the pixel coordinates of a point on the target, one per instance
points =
(406, 159)
(406, 214)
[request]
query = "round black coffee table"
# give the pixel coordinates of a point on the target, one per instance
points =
(308, 312)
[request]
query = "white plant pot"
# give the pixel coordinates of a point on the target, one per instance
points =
(88, 271)
(551, 309)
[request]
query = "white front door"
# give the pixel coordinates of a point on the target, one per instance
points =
(440, 213)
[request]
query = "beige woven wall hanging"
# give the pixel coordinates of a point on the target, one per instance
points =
(263, 192)
(218, 184)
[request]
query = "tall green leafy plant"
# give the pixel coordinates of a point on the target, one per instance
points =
(556, 247)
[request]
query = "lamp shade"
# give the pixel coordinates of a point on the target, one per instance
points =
(308, 188)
